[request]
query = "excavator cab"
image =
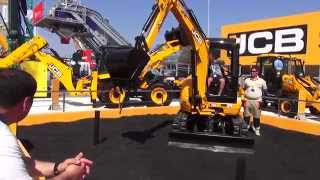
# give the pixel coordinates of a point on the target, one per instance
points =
(222, 81)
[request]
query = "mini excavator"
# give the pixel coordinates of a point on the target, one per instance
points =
(205, 121)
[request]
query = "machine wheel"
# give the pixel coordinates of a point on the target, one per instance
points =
(159, 95)
(110, 94)
(288, 108)
(314, 111)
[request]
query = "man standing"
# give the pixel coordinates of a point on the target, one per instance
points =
(253, 86)
(17, 89)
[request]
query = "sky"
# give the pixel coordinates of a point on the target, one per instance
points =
(129, 16)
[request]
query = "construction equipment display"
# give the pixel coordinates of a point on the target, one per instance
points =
(286, 79)
(202, 118)
(90, 30)
(57, 67)
(285, 40)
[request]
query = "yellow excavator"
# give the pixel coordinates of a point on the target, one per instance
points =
(203, 118)
(286, 80)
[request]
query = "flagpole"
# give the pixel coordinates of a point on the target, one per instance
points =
(208, 23)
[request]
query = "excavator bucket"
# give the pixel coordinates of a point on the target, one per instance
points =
(212, 142)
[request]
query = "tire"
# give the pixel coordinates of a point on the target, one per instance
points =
(288, 108)
(159, 95)
(110, 94)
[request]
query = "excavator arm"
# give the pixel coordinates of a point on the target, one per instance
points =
(159, 55)
(191, 30)
(23, 52)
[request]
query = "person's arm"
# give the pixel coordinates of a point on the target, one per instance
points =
(42, 168)
(242, 89)
(39, 168)
(264, 86)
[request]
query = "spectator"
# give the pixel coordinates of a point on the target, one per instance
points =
(17, 89)
(253, 86)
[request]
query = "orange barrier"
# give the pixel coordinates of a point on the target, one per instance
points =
(107, 114)
(292, 124)
(37, 119)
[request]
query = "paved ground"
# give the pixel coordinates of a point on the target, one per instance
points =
(126, 152)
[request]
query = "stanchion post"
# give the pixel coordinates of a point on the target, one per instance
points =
(55, 94)
(241, 168)
(279, 107)
(96, 128)
(64, 101)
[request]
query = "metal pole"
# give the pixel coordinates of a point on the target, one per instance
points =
(64, 101)
(241, 168)
(208, 18)
(278, 107)
(96, 127)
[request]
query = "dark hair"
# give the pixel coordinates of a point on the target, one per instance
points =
(256, 68)
(14, 86)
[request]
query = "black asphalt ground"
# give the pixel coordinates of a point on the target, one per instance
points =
(127, 152)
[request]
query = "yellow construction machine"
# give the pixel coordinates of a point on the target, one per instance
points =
(31, 50)
(287, 80)
(148, 86)
(4, 46)
(203, 118)
(89, 85)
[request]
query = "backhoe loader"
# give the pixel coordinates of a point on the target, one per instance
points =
(31, 50)
(203, 118)
(64, 73)
(286, 80)
(89, 30)
(148, 86)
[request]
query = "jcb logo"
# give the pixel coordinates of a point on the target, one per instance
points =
(197, 36)
(281, 40)
(55, 70)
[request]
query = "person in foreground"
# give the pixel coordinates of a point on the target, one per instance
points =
(17, 89)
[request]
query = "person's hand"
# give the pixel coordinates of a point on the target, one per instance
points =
(79, 159)
(73, 172)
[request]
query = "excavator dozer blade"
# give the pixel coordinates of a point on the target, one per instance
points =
(212, 142)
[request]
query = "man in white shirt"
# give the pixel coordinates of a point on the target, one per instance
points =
(253, 86)
(17, 89)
